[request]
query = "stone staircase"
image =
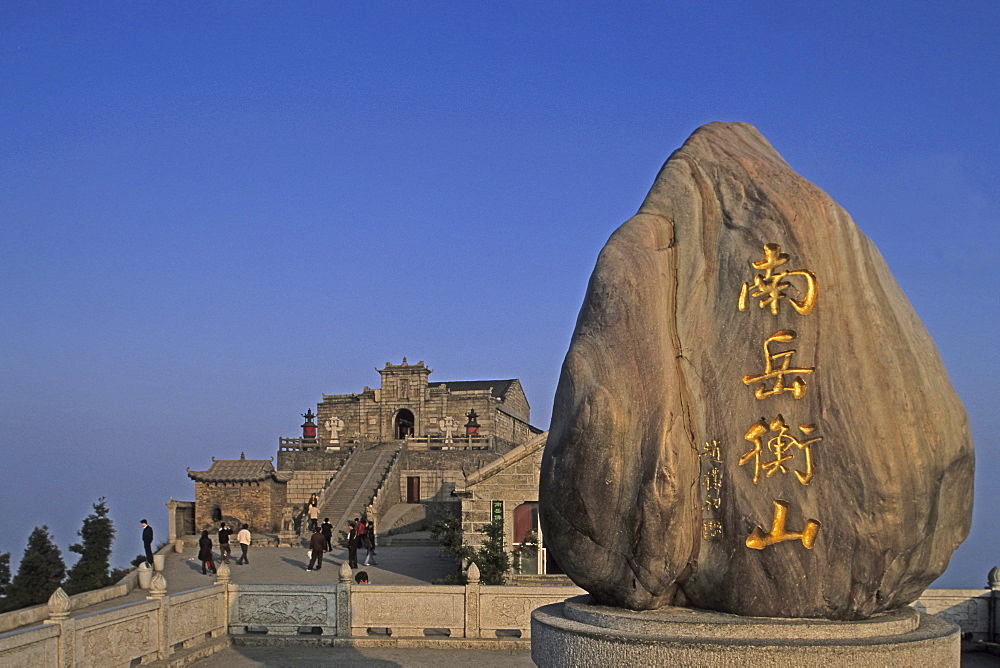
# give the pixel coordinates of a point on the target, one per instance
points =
(304, 484)
(355, 484)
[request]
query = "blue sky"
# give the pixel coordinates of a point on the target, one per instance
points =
(212, 213)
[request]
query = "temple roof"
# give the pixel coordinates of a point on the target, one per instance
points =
(499, 387)
(240, 470)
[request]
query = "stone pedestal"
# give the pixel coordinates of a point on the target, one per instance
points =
(577, 632)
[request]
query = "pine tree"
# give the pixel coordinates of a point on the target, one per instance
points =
(4, 574)
(492, 559)
(92, 570)
(40, 573)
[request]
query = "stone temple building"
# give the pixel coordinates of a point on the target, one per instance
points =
(408, 404)
(240, 490)
(410, 442)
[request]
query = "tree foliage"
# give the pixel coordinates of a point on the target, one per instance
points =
(4, 573)
(41, 571)
(92, 570)
(491, 558)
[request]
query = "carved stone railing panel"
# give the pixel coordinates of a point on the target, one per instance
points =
(282, 608)
(969, 608)
(196, 615)
(509, 608)
(407, 610)
(116, 637)
(30, 648)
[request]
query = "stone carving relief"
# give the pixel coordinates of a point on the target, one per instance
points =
(276, 609)
(508, 612)
(194, 618)
(117, 643)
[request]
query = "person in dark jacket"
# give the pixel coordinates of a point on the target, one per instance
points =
(327, 529)
(353, 541)
(205, 555)
(370, 544)
(147, 541)
(224, 548)
(317, 545)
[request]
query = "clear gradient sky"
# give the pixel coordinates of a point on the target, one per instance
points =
(212, 213)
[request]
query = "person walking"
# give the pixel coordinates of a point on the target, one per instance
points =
(361, 531)
(243, 538)
(205, 555)
(370, 544)
(313, 515)
(327, 530)
(224, 548)
(147, 541)
(352, 545)
(317, 545)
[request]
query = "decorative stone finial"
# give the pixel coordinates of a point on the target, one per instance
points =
(345, 573)
(473, 573)
(59, 605)
(158, 585)
(993, 579)
(222, 573)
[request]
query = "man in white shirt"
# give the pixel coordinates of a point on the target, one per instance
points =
(243, 538)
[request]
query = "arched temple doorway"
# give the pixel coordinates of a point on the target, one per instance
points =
(403, 424)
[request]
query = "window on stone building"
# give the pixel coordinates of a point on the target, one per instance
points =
(528, 561)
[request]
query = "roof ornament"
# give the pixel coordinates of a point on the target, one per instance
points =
(243, 455)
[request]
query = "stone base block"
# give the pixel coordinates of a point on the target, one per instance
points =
(577, 632)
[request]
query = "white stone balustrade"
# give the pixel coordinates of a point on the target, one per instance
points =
(161, 625)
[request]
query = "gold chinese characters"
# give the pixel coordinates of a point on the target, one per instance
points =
(779, 446)
(774, 454)
(758, 540)
(771, 285)
(797, 387)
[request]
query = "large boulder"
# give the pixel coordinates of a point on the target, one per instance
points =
(751, 418)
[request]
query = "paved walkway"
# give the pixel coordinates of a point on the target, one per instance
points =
(279, 565)
(386, 657)
(377, 657)
(403, 565)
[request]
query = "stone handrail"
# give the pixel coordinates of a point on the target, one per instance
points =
(378, 499)
(299, 513)
(161, 625)
(37, 613)
(140, 632)
(455, 443)
(300, 445)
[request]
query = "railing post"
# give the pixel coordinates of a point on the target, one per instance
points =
(344, 602)
(59, 609)
(158, 593)
(993, 580)
(472, 602)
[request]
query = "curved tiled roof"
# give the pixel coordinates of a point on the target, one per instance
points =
(240, 470)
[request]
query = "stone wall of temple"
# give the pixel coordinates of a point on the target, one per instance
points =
(259, 504)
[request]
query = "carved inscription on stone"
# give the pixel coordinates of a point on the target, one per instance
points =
(748, 394)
